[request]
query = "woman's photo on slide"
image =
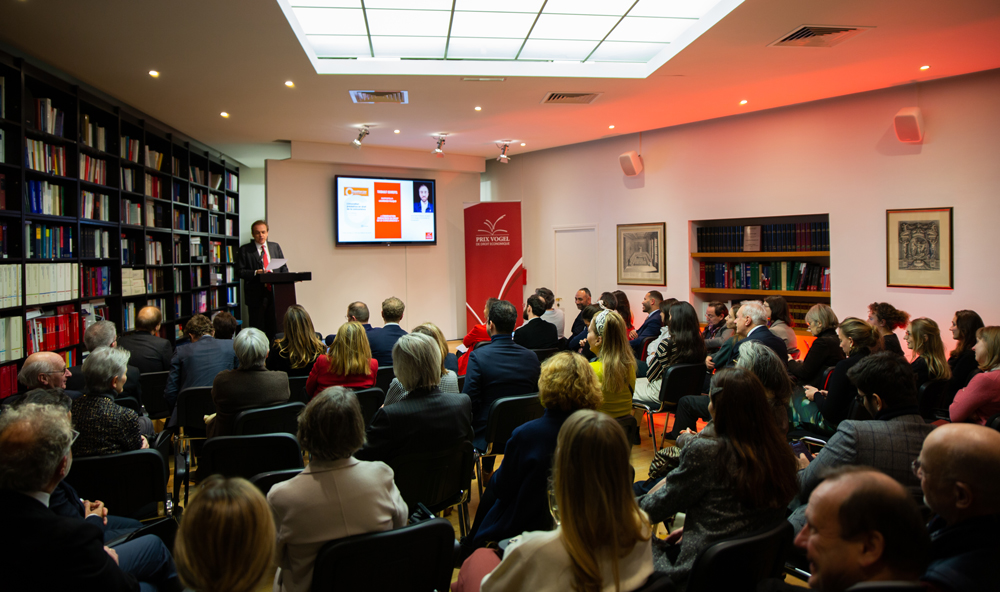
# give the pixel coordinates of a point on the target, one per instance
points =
(423, 201)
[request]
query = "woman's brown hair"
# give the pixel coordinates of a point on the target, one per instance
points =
(893, 317)
(350, 352)
(299, 345)
(968, 322)
(623, 307)
(865, 337)
(779, 310)
(991, 336)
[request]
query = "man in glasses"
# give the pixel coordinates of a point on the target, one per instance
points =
(45, 370)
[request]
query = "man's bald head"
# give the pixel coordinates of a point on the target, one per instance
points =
(43, 370)
(960, 471)
(148, 319)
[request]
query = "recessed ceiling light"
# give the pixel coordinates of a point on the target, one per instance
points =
(224, 114)
(925, 67)
(523, 144)
(611, 127)
(154, 73)
(743, 102)
(479, 108)
(395, 131)
(289, 84)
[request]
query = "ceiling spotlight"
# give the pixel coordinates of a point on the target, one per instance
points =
(611, 127)
(289, 84)
(503, 153)
(439, 151)
(154, 73)
(224, 114)
(921, 67)
(361, 136)
(743, 102)
(395, 131)
(479, 108)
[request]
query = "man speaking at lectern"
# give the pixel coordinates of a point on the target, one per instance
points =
(253, 260)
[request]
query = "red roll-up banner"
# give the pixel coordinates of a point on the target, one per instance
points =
(493, 262)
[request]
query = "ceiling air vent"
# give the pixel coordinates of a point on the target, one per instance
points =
(399, 97)
(567, 98)
(818, 36)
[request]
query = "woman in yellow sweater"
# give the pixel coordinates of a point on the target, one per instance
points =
(615, 363)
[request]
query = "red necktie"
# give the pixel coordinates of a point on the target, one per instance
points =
(267, 260)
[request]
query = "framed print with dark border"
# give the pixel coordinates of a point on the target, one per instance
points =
(642, 254)
(919, 248)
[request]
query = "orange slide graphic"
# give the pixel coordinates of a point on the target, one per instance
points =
(388, 211)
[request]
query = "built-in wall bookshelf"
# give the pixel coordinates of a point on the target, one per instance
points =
(103, 211)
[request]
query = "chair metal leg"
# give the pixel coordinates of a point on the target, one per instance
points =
(652, 431)
(479, 473)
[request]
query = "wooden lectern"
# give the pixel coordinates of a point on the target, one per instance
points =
(283, 287)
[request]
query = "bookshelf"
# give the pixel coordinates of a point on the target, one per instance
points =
(794, 262)
(103, 211)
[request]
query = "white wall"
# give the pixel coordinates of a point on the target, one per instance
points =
(837, 156)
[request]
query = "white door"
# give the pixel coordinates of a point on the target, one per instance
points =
(575, 261)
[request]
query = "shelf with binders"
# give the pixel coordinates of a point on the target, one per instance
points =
(53, 327)
(99, 205)
(181, 218)
(45, 240)
(99, 243)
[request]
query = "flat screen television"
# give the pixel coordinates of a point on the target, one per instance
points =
(385, 211)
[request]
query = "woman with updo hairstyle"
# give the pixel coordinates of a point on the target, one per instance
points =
(924, 339)
(225, 542)
(515, 498)
(295, 352)
(858, 339)
(962, 359)
(980, 400)
(608, 301)
(448, 381)
(615, 363)
(348, 363)
(886, 318)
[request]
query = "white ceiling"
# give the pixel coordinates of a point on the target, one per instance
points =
(235, 56)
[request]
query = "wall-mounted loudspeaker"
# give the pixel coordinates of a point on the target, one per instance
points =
(631, 163)
(909, 124)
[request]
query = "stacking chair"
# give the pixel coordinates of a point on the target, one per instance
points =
(276, 419)
(931, 397)
(370, 399)
(417, 557)
(247, 456)
(544, 354)
(133, 484)
(131, 403)
(384, 378)
(438, 479)
(506, 414)
(153, 384)
(678, 381)
(994, 422)
(193, 404)
(461, 383)
(265, 481)
(297, 389)
(740, 563)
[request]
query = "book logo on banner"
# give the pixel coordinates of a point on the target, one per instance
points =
(494, 236)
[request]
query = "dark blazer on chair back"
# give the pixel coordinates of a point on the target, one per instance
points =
(498, 369)
(149, 352)
(238, 390)
(537, 334)
(426, 420)
(381, 342)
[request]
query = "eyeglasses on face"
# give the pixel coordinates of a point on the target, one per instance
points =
(917, 467)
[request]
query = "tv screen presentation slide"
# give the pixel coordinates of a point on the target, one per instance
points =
(374, 210)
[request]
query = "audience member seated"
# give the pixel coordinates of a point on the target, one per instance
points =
(515, 498)
(478, 334)
(858, 339)
(578, 343)
(924, 339)
(642, 367)
(981, 399)
(105, 426)
(780, 323)
(150, 352)
(449, 380)
(337, 495)
(426, 420)
(608, 301)
(862, 527)
(356, 311)
(382, 340)
(536, 333)
(552, 314)
(226, 540)
(348, 363)
(885, 318)
(685, 346)
(45, 370)
(250, 386)
(500, 368)
(103, 334)
(615, 363)
(625, 310)
(727, 347)
(959, 468)
(825, 350)
(717, 330)
(53, 552)
(295, 352)
(962, 360)
(197, 363)
(731, 484)
(890, 442)
(751, 324)
(602, 539)
(651, 326)
(582, 300)
(225, 325)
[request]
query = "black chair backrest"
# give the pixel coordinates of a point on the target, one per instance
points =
(657, 582)
(246, 456)
(461, 383)
(193, 404)
(130, 483)
(153, 384)
(416, 557)
(433, 478)
(297, 389)
(994, 422)
(370, 399)
(544, 354)
(642, 351)
(931, 397)
(384, 378)
(827, 373)
(631, 427)
(131, 403)
(282, 418)
(265, 481)
(740, 563)
(506, 414)
(681, 380)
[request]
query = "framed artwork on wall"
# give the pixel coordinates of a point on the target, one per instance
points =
(642, 254)
(919, 248)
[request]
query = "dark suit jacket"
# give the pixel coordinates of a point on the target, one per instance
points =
(537, 334)
(381, 342)
(76, 546)
(650, 328)
(149, 352)
(763, 335)
(133, 388)
(237, 390)
(197, 364)
(498, 369)
(425, 420)
(247, 264)
(430, 206)
(841, 392)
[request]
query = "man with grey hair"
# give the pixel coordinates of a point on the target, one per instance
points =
(382, 340)
(104, 334)
(751, 325)
(45, 370)
(106, 427)
(57, 552)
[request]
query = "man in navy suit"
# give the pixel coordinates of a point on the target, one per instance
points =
(382, 340)
(536, 333)
(197, 363)
(652, 325)
(424, 204)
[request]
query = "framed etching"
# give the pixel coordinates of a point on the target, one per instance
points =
(642, 254)
(919, 248)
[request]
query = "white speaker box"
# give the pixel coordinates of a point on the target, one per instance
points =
(631, 163)
(909, 124)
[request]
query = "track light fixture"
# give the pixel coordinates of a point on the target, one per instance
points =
(361, 136)
(503, 153)
(439, 151)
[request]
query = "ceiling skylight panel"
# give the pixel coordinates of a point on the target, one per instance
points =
(327, 3)
(543, 49)
(657, 30)
(594, 7)
(673, 8)
(340, 46)
(331, 21)
(484, 49)
(417, 4)
(510, 25)
(532, 6)
(559, 26)
(408, 47)
(415, 23)
(618, 51)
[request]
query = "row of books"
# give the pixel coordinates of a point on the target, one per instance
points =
(156, 215)
(96, 281)
(131, 212)
(52, 330)
(154, 187)
(11, 339)
(130, 179)
(130, 148)
(196, 175)
(765, 275)
(93, 135)
(222, 275)
(215, 181)
(10, 286)
(230, 204)
(154, 281)
(48, 119)
(94, 206)
(232, 182)
(203, 199)
(154, 251)
(46, 158)
(198, 277)
(46, 198)
(802, 236)
(4, 241)
(130, 308)
(8, 373)
(51, 282)
(154, 159)
(93, 170)
(43, 241)
(133, 283)
(798, 311)
(199, 302)
(180, 220)
(218, 254)
(129, 250)
(95, 243)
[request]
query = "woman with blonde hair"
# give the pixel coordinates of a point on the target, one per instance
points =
(858, 339)
(348, 363)
(225, 543)
(981, 399)
(296, 351)
(449, 380)
(923, 337)
(602, 540)
(615, 363)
